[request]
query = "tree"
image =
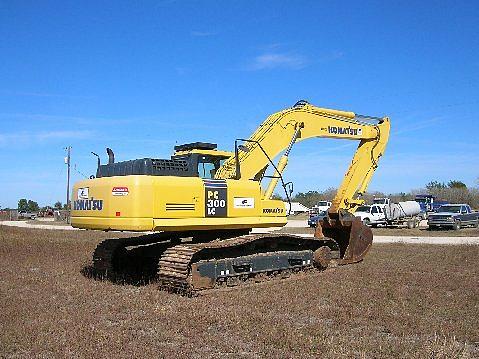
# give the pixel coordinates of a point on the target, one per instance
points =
(435, 185)
(58, 205)
(32, 206)
(23, 205)
(308, 199)
(277, 196)
(311, 198)
(456, 184)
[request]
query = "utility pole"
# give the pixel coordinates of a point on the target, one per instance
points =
(67, 162)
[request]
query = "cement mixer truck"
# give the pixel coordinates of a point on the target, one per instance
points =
(384, 212)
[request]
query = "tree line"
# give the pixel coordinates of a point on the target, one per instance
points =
(453, 191)
(29, 205)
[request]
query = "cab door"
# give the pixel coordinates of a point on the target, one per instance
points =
(376, 213)
(467, 215)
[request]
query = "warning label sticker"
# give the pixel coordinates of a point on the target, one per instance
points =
(120, 191)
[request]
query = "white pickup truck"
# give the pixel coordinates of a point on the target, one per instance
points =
(384, 212)
(371, 215)
(25, 214)
(321, 206)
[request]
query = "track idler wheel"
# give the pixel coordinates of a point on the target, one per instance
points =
(352, 236)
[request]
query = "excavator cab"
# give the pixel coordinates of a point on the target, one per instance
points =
(204, 156)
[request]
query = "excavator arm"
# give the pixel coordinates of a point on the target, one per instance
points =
(280, 131)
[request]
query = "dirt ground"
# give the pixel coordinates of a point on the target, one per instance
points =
(396, 232)
(402, 301)
(48, 223)
(300, 216)
(303, 229)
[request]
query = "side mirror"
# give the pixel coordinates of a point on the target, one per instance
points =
(289, 187)
(243, 148)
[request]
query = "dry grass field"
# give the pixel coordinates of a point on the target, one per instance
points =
(400, 232)
(414, 301)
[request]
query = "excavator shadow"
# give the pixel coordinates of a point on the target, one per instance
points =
(138, 266)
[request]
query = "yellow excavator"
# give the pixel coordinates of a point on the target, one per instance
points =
(202, 203)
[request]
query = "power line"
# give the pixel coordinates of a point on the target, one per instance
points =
(78, 171)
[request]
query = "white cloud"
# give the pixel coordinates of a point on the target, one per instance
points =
(331, 56)
(273, 58)
(26, 138)
(58, 120)
(278, 60)
(182, 71)
(418, 126)
(202, 33)
(43, 94)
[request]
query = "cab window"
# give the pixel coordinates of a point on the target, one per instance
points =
(206, 170)
(374, 210)
(207, 166)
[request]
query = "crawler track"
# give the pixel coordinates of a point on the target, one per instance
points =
(213, 259)
(190, 268)
(112, 259)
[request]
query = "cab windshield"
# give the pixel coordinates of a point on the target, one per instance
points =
(451, 209)
(363, 209)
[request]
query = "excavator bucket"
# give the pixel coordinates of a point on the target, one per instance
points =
(352, 236)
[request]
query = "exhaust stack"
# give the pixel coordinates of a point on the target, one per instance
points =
(111, 156)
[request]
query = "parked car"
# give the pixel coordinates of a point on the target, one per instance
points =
(454, 216)
(313, 220)
(25, 214)
(320, 206)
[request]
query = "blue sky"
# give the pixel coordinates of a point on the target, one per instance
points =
(141, 77)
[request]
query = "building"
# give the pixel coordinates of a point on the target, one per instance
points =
(296, 208)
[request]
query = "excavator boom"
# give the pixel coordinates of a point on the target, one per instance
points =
(280, 131)
(304, 121)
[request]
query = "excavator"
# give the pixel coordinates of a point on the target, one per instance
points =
(202, 204)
